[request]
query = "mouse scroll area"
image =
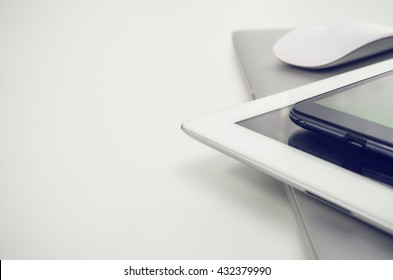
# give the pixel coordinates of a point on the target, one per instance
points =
(319, 47)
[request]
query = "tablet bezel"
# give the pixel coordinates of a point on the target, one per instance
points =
(343, 188)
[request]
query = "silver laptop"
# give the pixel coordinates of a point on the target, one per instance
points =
(329, 233)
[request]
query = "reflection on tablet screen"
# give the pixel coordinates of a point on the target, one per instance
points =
(366, 163)
(277, 125)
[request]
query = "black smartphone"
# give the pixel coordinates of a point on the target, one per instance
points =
(360, 114)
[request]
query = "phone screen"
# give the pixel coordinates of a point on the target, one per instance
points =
(360, 113)
(371, 101)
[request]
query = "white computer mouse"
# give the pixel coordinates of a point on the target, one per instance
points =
(324, 46)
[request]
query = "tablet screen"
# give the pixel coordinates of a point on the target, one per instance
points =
(277, 125)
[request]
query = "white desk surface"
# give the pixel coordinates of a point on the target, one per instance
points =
(93, 164)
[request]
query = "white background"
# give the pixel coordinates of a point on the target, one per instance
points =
(93, 164)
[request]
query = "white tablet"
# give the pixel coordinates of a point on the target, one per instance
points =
(236, 133)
